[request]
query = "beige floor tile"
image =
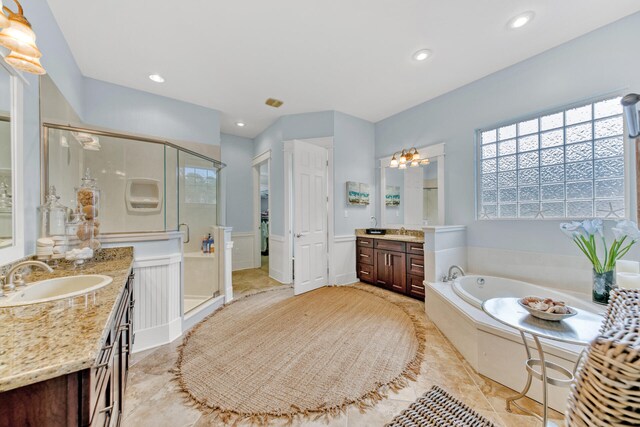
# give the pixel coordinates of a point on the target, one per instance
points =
(166, 408)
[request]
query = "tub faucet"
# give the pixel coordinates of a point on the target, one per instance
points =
(452, 275)
(14, 279)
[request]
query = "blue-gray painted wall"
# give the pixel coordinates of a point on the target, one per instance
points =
(237, 153)
(603, 62)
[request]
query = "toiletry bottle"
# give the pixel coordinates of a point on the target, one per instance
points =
(212, 248)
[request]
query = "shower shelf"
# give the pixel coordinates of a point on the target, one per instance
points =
(143, 195)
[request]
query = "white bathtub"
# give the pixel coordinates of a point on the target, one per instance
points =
(491, 348)
(475, 289)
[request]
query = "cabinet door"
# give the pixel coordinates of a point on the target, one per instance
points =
(383, 270)
(398, 272)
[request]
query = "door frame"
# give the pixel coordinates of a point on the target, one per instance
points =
(255, 167)
(327, 143)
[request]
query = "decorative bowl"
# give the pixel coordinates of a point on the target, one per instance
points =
(554, 317)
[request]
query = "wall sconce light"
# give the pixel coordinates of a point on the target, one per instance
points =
(18, 36)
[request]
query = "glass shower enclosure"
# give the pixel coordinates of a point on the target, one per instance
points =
(148, 186)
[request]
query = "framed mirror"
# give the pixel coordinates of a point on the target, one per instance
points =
(11, 203)
(413, 197)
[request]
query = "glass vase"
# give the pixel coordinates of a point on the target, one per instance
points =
(603, 283)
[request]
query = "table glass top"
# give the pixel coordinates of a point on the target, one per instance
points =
(580, 329)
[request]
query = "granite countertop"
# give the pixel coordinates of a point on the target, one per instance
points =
(393, 234)
(46, 340)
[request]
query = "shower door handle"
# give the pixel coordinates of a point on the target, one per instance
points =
(188, 232)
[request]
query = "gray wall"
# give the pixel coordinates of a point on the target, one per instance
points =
(600, 63)
(354, 160)
(129, 110)
(237, 153)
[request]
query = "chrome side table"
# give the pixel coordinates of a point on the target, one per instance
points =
(580, 329)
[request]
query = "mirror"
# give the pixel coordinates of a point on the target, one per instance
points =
(6, 158)
(413, 197)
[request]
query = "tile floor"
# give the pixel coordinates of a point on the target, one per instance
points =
(153, 399)
(251, 280)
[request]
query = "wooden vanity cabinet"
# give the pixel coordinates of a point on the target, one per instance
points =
(91, 397)
(394, 265)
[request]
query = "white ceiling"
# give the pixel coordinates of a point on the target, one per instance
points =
(352, 56)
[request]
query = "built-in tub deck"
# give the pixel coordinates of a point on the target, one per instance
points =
(493, 349)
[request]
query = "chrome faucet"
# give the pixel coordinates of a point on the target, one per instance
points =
(15, 279)
(403, 231)
(452, 275)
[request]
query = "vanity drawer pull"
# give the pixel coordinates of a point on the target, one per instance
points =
(417, 265)
(364, 272)
(364, 242)
(364, 255)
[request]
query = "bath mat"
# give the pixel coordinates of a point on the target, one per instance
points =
(273, 355)
(438, 409)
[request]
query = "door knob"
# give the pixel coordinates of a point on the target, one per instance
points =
(299, 235)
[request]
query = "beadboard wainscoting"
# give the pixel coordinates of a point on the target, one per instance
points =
(243, 251)
(157, 318)
(278, 265)
(344, 260)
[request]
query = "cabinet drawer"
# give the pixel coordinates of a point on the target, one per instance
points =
(390, 245)
(415, 286)
(415, 264)
(366, 273)
(366, 242)
(415, 248)
(365, 255)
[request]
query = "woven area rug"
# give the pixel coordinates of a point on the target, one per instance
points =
(437, 408)
(273, 355)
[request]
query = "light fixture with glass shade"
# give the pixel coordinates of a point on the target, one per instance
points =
(21, 40)
(411, 157)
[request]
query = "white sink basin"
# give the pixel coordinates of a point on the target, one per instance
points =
(53, 289)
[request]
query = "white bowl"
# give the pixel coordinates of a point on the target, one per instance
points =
(554, 317)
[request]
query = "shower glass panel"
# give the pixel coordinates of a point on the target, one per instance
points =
(147, 186)
(197, 213)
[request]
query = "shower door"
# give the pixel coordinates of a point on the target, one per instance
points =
(198, 217)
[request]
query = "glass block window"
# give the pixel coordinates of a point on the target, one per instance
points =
(568, 164)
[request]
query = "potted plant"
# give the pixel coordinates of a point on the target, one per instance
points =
(586, 235)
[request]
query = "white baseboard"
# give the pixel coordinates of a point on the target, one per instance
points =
(243, 251)
(158, 335)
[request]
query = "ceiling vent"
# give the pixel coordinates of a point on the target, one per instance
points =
(275, 103)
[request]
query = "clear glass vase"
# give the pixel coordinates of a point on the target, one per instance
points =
(603, 283)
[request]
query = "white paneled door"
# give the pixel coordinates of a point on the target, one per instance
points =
(310, 217)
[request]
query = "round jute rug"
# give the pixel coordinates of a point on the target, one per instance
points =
(276, 355)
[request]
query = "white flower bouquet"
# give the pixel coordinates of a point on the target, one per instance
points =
(584, 235)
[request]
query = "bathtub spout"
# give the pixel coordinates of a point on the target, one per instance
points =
(452, 275)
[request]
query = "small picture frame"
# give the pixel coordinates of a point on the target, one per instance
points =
(357, 193)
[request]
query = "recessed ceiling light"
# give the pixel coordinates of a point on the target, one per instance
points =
(156, 78)
(240, 124)
(521, 20)
(422, 54)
